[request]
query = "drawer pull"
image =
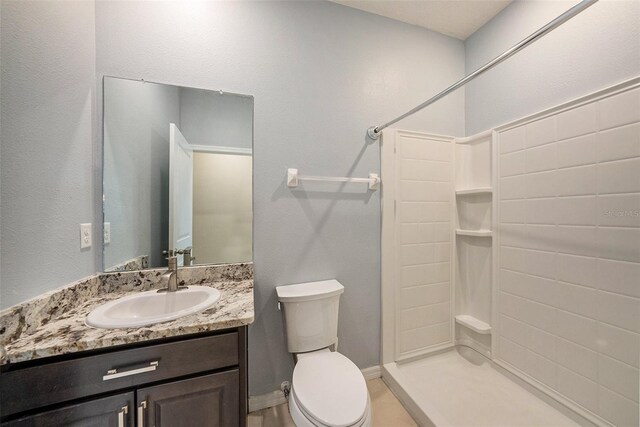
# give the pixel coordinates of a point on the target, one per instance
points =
(112, 374)
(141, 409)
(124, 411)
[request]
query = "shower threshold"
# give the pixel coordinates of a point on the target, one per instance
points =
(461, 388)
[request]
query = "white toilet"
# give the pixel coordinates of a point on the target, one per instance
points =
(327, 388)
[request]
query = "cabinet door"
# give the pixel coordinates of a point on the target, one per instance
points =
(206, 401)
(112, 411)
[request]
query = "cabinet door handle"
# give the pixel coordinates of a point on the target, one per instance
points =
(124, 411)
(112, 374)
(141, 407)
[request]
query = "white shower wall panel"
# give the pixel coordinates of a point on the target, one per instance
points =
(568, 268)
(423, 238)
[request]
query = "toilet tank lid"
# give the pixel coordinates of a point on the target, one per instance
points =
(309, 291)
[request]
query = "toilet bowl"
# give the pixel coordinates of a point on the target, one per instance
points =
(327, 389)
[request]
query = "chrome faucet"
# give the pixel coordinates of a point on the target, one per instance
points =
(186, 254)
(170, 277)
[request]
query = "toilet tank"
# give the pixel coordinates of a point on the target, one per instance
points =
(310, 313)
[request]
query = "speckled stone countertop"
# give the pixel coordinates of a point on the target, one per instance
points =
(54, 323)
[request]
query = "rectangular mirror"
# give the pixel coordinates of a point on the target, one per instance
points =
(178, 172)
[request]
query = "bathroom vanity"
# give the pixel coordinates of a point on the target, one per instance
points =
(192, 371)
(159, 338)
(193, 381)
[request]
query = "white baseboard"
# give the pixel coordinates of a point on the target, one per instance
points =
(266, 400)
(276, 397)
(372, 372)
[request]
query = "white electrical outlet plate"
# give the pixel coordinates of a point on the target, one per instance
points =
(85, 235)
(107, 233)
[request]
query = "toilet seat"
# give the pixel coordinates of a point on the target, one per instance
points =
(330, 390)
(302, 419)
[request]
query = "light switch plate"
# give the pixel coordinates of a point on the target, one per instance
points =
(85, 235)
(107, 233)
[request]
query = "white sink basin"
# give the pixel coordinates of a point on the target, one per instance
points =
(147, 308)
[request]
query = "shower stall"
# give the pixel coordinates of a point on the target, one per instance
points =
(511, 268)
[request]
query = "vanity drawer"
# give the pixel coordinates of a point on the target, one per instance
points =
(33, 387)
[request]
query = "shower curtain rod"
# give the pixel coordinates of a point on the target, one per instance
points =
(374, 131)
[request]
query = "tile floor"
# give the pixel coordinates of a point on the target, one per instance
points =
(387, 410)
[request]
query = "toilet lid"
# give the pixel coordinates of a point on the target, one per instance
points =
(331, 389)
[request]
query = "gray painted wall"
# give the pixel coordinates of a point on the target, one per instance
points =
(47, 174)
(321, 74)
(136, 168)
(208, 118)
(596, 49)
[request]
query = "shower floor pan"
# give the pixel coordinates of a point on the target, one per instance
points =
(460, 388)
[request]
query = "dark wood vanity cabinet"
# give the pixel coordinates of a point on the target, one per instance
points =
(194, 381)
(112, 411)
(209, 400)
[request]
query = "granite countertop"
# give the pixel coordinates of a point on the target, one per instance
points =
(54, 323)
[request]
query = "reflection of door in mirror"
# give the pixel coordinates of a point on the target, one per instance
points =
(180, 191)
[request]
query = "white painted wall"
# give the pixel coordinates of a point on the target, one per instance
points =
(48, 173)
(596, 49)
(136, 168)
(210, 118)
(321, 74)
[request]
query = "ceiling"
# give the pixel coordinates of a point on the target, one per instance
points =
(455, 18)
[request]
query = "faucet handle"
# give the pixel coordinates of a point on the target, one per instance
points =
(173, 263)
(169, 253)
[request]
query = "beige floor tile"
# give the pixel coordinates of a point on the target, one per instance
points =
(276, 416)
(387, 410)
(254, 419)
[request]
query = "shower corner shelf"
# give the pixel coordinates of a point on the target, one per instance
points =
(472, 191)
(474, 233)
(474, 324)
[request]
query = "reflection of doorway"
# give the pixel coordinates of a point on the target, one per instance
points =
(222, 207)
(180, 191)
